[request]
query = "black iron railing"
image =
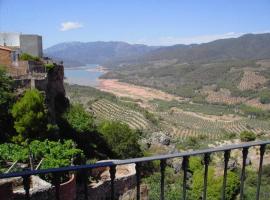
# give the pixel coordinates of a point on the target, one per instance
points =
(162, 158)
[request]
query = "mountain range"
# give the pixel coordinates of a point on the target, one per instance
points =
(112, 54)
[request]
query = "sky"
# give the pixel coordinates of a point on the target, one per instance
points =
(151, 22)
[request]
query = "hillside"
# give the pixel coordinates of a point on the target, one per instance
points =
(249, 46)
(79, 53)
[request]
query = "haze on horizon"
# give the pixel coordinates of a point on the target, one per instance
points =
(142, 22)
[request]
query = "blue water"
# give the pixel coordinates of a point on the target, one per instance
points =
(85, 75)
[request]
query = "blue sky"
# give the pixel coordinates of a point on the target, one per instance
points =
(153, 22)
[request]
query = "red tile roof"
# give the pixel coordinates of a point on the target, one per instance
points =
(5, 48)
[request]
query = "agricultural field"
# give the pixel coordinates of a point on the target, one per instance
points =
(251, 80)
(181, 119)
(105, 109)
(187, 124)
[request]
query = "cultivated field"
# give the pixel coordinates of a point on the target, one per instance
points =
(111, 111)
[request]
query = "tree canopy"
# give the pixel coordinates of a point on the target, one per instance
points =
(122, 140)
(6, 100)
(30, 115)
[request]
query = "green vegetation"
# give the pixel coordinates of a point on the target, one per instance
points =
(28, 57)
(107, 110)
(30, 116)
(247, 136)
(265, 97)
(47, 150)
(79, 120)
(255, 112)
(49, 66)
(214, 185)
(6, 99)
(251, 184)
(122, 140)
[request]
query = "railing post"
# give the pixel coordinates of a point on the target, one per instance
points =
(26, 186)
(112, 175)
(206, 163)
(262, 151)
(138, 180)
(56, 183)
(243, 173)
(85, 175)
(185, 167)
(162, 173)
(226, 160)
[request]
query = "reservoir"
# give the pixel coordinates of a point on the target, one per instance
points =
(85, 75)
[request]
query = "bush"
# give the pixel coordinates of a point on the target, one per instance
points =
(49, 66)
(54, 154)
(265, 97)
(28, 57)
(122, 140)
(247, 136)
(80, 120)
(214, 185)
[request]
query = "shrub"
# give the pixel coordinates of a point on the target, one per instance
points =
(247, 136)
(80, 120)
(28, 57)
(122, 140)
(49, 66)
(214, 185)
(265, 97)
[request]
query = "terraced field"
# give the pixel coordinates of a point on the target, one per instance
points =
(186, 125)
(111, 111)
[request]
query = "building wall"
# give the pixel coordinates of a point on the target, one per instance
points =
(31, 44)
(5, 57)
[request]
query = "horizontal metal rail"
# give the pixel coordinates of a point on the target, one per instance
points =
(162, 158)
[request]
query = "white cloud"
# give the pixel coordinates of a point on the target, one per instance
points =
(171, 40)
(66, 26)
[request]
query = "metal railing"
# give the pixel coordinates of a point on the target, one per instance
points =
(206, 153)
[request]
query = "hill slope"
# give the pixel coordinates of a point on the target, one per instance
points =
(249, 46)
(79, 53)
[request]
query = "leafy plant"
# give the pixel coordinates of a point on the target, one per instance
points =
(247, 136)
(28, 57)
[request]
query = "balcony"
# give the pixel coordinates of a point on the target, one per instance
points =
(87, 171)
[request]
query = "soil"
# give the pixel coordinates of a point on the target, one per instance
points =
(133, 91)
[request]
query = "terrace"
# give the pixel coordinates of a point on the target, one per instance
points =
(88, 170)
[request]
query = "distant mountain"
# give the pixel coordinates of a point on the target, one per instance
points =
(185, 69)
(113, 54)
(249, 46)
(79, 53)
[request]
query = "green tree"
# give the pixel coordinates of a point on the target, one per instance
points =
(6, 100)
(247, 136)
(80, 120)
(30, 116)
(122, 140)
